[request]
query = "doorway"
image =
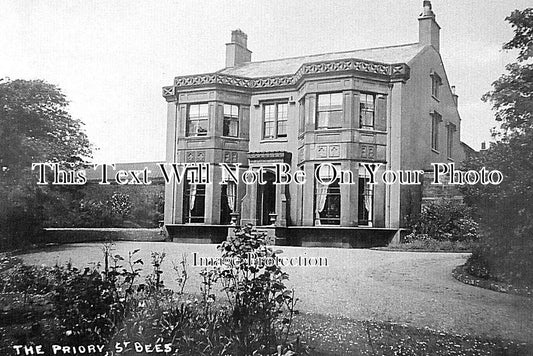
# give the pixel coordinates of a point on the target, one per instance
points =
(266, 199)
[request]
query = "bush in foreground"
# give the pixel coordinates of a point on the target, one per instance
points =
(111, 304)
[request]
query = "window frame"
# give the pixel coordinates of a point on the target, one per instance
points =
(332, 195)
(200, 193)
(450, 131)
(230, 118)
(436, 119)
(301, 116)
(275, 121)
(436, 83)
(374, 97)
(318, 111)
(189, 120)
(365, 190)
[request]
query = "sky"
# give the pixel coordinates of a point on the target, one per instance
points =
(111, 58)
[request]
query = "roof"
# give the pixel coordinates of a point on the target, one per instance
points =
(388, 55)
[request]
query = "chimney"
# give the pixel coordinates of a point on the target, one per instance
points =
(237, 51)
(428, 28)
(455, 96)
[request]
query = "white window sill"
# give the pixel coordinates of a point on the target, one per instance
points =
(274, 140)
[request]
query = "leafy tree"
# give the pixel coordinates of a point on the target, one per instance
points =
(506, 210)
(34, 127)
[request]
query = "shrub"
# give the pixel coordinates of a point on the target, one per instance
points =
(120, 205)
(21, 216)
(262, 306)
(93, 306)
(87, 307)
(445, 220)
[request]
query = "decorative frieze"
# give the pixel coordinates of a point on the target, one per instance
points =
(393, 71)
(270, 156)
(328, 151)
(334, 151)
(194, 156)
(368, 151)
(231, 157)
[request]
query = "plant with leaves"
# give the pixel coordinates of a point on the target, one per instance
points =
(120, 205)
(180, 269)
(87, 307)
(154, 281)
(445, 220)
(35, 126)
(506, 210)
(262, 306)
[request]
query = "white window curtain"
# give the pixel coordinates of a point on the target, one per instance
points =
(321, 196)
(368, 199)
(231, 193)
(192, 196)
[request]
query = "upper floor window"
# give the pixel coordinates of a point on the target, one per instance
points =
(367, 110)
(329, 111)
(275, 118)
(231, 120)
(449, 139)
(436, 82)
(301, 123)
(436, 118)
(197, 120)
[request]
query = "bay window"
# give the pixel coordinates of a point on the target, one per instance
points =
(231, 121)
(329, 111)
(197, 119)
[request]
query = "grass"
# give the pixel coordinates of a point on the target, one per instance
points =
(328, 336)
(331, 336)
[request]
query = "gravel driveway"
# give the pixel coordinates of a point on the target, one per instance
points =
(414, 288)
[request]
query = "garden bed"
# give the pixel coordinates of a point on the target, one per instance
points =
(461, 274)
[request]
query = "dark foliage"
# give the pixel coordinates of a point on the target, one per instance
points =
(506, 211)
(444, 220)
(109, 304)
(34, 127)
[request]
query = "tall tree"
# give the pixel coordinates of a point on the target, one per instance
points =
(34, 127)
(507, 210)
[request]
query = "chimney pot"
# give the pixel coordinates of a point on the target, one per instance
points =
(237, 36)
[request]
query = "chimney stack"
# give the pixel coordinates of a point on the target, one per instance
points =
(237, 51)
(428, 28)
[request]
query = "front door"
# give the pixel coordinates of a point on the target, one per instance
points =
(266, 199)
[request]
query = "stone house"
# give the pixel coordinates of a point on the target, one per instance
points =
(389, 105)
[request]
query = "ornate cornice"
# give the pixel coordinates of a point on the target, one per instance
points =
(270, 156)
(398, 71)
